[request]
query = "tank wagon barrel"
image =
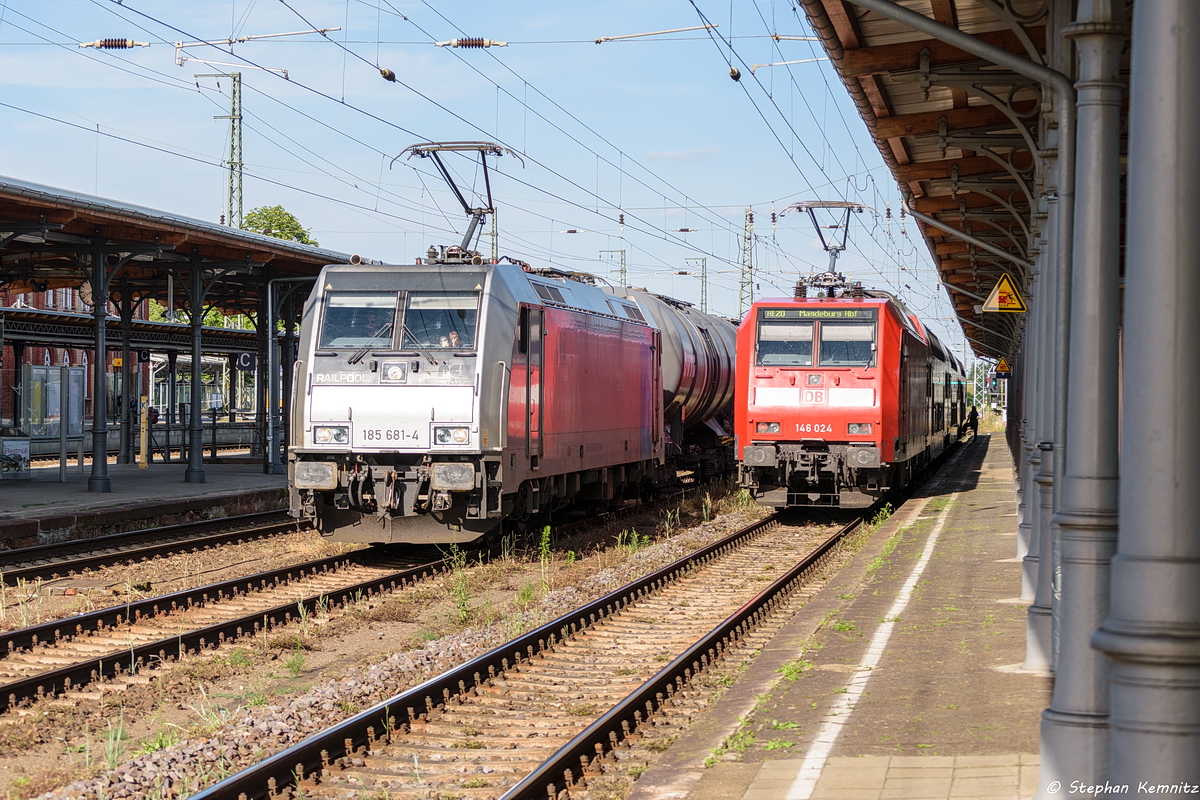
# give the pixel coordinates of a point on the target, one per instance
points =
(698, 356)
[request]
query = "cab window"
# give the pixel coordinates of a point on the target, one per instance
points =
(784, 344)
(847, 344)
(441, 320)
(358, 320)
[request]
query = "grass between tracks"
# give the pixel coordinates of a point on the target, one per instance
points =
(53, 743)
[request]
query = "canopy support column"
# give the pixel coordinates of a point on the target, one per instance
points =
(195, 468)
(1152, 633)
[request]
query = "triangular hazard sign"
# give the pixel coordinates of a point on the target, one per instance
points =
(1005, 297)
(1003, 366)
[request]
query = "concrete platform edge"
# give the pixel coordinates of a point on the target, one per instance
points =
(682, 766)
(88, 524)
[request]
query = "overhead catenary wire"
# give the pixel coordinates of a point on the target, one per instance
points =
(641, 224)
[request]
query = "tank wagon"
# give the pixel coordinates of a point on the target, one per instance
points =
(454, 399)
(845, 391)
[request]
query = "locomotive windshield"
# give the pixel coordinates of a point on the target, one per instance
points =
(441, 319)
(784, 344)
(847, 344)
(358, 320)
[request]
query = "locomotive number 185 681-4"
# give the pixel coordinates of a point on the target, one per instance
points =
(388, 435)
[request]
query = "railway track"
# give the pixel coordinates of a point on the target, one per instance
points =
(46, 562)
(538, 714)
(61, 657)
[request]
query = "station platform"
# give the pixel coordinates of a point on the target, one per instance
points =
(901, 678)
(44, 509)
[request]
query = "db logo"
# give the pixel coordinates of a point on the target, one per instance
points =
(812, 397)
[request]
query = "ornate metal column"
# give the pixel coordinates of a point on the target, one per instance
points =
(1075, 726)
(288, 361)
(262, 329)
(18, 349)
(1037, 564)
(172, 397)
(195, 468)
(125, 447)
(277, 436)
(1028, 457)
(1152, 633)
(99, 480)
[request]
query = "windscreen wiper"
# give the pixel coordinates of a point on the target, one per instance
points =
(358, 354)
(419, 348)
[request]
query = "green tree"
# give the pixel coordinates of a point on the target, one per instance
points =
(213, 317)
(278, 222)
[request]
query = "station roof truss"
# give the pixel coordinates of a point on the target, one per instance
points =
(964, 139)
(59, 329)
(49, 238)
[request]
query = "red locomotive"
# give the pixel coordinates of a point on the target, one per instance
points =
(845, 391)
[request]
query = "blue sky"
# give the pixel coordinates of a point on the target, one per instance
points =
(649, 127)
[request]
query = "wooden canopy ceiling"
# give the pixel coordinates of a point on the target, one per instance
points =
(965, 139)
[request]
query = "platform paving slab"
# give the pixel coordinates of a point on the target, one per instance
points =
(940, 709)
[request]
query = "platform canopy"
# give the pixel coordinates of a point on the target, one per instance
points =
(48, 237)
(964, 138)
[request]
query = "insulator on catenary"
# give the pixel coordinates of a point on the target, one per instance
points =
(388, 75)
(472, 41)
(114, 44)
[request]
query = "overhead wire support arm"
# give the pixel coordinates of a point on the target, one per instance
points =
(784, 63)
(181, 59)
(604, 39)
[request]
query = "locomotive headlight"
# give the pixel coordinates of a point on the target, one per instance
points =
(451, 435)
(855, 428)
(767, 427)
(331, 434)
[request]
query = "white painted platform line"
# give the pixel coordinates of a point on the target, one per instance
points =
(839, 715)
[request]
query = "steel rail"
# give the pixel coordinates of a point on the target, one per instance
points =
(355, 735)
(130, 541)
(352, 735)
(115, 664)
(592, 743)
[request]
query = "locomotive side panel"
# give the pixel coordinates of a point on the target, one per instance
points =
(590, 379)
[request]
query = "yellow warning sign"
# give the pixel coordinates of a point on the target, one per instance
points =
(1002, 366)
(1005, 297)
